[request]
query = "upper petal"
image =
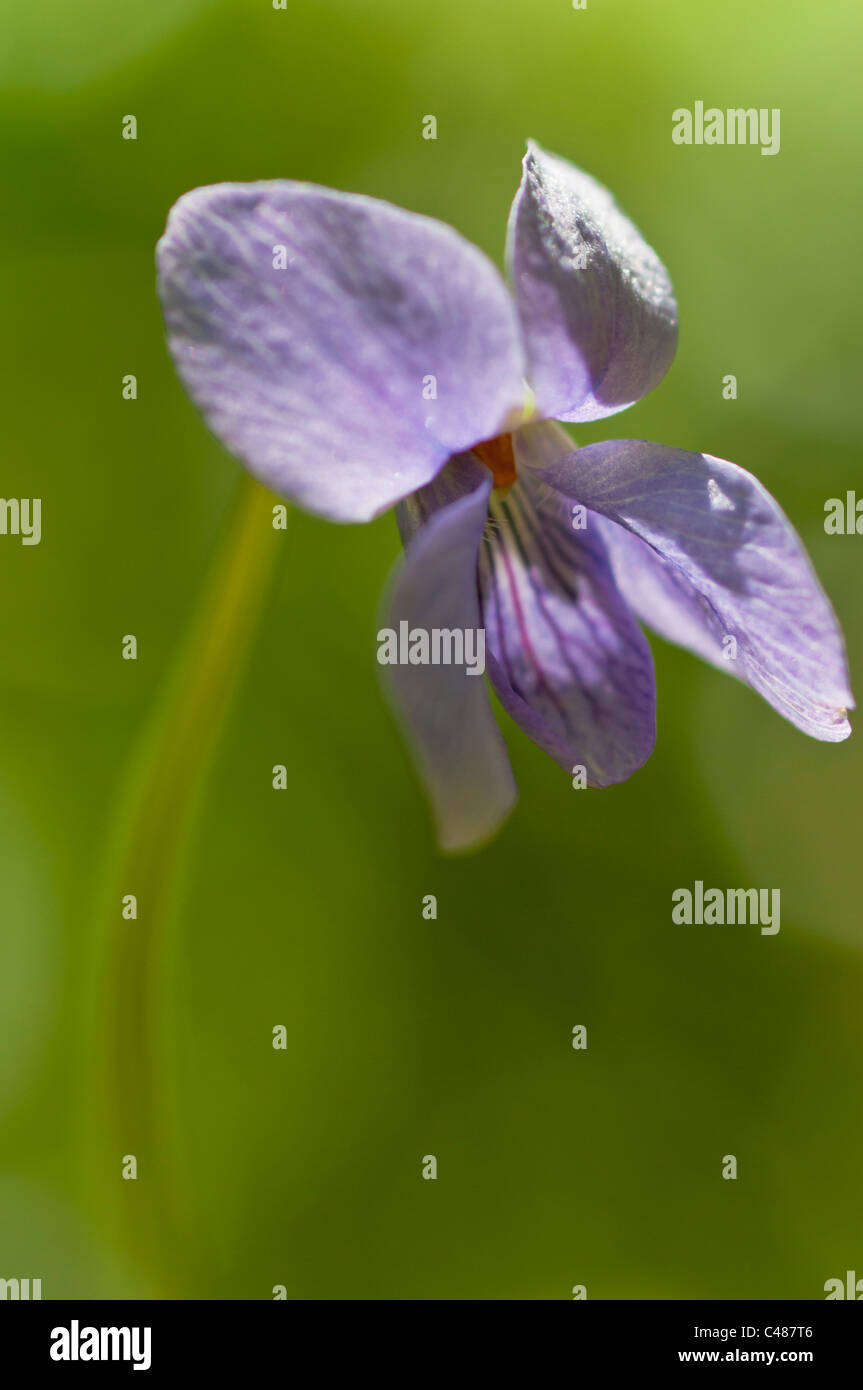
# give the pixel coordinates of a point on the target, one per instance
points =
(724, 562)
(341, 347)
(445, 711)
(596, 305)
(566, 656)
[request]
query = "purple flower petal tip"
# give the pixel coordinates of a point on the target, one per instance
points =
(596, 305)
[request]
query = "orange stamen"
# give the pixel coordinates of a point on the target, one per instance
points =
(497, 454)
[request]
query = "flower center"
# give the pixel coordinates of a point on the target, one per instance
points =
(497, 454)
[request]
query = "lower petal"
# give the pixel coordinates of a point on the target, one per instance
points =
(444, 710)
(716, 559)
(566, 657)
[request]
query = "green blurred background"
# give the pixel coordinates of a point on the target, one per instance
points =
(406, 1037)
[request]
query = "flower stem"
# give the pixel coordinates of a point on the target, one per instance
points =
(133, 1064)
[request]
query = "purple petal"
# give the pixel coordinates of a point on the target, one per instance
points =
(566, 657)
(347, 378)
(596, 305)
(662, 595)
(444, 711)
(727, 561)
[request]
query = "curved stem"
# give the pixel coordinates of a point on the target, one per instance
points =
(132, 1062)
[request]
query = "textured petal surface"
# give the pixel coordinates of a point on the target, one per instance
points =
(339, 346)
(662, 596)
(445, 712)
(566, 657)
(596, 304)
(727, 559)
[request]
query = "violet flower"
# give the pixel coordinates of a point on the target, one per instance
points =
(356, 356)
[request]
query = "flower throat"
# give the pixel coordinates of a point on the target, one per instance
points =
(497, 455)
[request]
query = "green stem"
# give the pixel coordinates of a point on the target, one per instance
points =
(133, 1060)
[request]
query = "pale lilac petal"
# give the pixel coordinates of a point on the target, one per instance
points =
(727, 556)
(347, 378)
(596, 305)
(662, 596)
(445, 712)
(566, 657)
